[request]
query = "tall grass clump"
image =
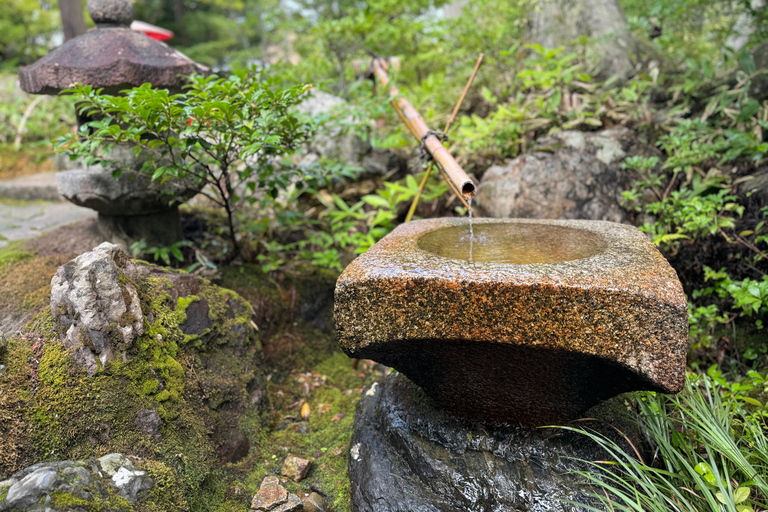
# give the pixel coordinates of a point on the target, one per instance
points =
(709, 452)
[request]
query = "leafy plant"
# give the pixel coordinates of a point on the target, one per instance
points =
(163, 253)
(342, 227)
(229, 134)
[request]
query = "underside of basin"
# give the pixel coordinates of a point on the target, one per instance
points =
(502, 382)
(548, 319)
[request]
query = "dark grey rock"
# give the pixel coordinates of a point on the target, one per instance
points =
(567, 175)
(755, 188)
(758, 87)
(148, 421)
(408, 455)
(30, 489)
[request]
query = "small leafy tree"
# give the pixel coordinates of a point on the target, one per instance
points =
(229, 134)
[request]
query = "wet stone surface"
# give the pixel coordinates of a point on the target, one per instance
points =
(406, 454)
(529, 343)
(20, 220)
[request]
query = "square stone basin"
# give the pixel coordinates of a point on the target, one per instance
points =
(543, 320)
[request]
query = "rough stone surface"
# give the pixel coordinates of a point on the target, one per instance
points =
(406, 454)
(96, 311)
(111, 463)
(756, 188)
(618, 52)
(114, 58)
(111, 12)
(296, 468)
(758, 87)
(148, 421)
(314, 503)
(272, 497)
(529, 343)
(134, 193)
(31, 489)
(567, 175)
(132, 484)
(332, 142)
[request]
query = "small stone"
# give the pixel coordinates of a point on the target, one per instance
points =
(111, 12)
(270, 495)
(292, 505)
(110, 464)
(2, 369)
(148, 421)
(132, 484)
(295, 467)
(314, 503)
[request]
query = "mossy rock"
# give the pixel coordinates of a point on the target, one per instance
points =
(187, 400)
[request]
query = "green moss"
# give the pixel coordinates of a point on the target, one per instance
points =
(4, 492)
(327, 439)
(167, 493)
(13, 253)
(150, 386)
(42, 324)
(181, 307)
(66, 501)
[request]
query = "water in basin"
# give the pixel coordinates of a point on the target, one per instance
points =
(515, 243)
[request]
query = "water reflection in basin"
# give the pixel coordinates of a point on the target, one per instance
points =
(514, 243)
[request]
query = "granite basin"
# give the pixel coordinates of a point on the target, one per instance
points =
(532, 331)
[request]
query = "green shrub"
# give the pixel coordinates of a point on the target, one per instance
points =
(232, 135)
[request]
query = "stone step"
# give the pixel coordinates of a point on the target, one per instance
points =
(30, 188)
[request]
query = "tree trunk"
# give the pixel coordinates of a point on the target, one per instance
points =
(178, 12)
(617, 51)
(72, 18)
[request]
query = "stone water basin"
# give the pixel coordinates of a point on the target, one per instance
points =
(549, 317)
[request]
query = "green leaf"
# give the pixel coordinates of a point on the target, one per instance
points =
(741, 494)
(376, 200)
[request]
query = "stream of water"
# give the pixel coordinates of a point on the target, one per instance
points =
(471, 231)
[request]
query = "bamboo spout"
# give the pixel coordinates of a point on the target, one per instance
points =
(453, 172)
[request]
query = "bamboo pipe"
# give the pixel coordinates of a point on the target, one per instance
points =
(452, 170)
(423, 183)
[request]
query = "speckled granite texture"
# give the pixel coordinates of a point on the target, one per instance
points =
(524, 343)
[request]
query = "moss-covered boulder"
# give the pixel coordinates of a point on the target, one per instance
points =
(140, 360)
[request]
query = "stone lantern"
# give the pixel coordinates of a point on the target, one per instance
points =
(115, 58)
